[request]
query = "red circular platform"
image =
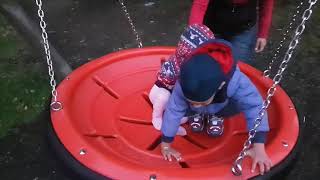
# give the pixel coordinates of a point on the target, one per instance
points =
(106, 125)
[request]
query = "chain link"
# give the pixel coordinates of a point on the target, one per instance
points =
(236, 168)
(267, 72)
(136, 34)
(55, 105)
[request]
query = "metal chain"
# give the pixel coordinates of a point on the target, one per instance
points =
(237, 165)
(124, 8)
(267, 72)
(55, 105)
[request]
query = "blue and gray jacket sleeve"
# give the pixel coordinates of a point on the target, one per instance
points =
(249, 101)
(176, 109)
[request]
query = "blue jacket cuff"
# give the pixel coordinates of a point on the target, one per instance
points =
(260, 137)
(166, 139)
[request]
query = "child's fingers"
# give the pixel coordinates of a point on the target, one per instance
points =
(261, 166)
(177, 156)
(254, 165)
(169, 156)
(268, 165)
(164, 156)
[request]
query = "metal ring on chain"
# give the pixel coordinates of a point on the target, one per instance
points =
(56, 106)
(236, 168)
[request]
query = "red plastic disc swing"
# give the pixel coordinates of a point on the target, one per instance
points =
(105, 123)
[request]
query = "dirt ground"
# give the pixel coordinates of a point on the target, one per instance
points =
(84, 30)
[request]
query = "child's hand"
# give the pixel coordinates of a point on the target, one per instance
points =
(260, 157)
(167, 152)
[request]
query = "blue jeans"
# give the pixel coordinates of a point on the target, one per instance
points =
(243, 44)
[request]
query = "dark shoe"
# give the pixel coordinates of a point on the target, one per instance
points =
(214, 126)
(196, 122)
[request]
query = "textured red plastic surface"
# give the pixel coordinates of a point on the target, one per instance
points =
(106, 113)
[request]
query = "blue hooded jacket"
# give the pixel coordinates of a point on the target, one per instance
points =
(240, 89)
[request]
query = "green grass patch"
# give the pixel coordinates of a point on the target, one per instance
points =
(24, 96)
(23, 89)
(7, 48)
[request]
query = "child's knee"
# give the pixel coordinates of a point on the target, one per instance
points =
(157, 123)
(159, 95)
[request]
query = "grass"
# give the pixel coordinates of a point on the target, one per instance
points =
(24, 90)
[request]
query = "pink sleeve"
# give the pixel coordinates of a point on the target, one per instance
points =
(198, 10)
(265, 17)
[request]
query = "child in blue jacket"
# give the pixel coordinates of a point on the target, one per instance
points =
(210, 84)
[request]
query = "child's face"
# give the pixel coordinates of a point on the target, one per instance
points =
(200, 104)
(207, 102)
